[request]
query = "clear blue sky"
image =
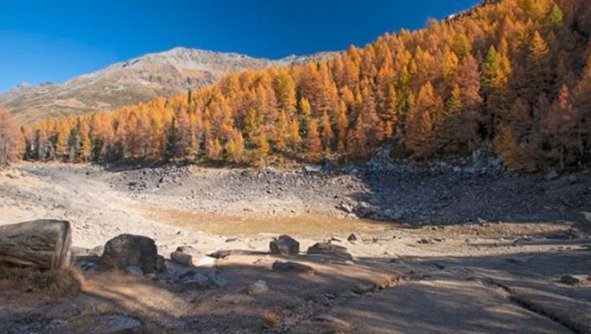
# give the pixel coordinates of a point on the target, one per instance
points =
(50, 40)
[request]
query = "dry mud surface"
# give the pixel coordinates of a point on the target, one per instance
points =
(469, 252)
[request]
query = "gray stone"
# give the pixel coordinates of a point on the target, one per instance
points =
(363, 288)
(182, 258)
(572, 179)
(196, 282)
(98, 250)
(185, 249)
(292, 267)
(221, 254)
(570, 234)
(133, 250)
(312, 168)
(365, 210)
(160, 265)
(325, 248)
(585, 217)
(88, 263)
(103, 324)
(479, 157)
(340, 323)
(495, 162)
(135, 270)
(352, 237)
(573, 279)
(218, 281)
(346, 207)
(269, 170)
(552, 175)
(257, 288)
(393, 214)
(76, 251)
(285, 245)
(183, 275)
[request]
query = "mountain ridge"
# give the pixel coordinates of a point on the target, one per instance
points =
(138, 79)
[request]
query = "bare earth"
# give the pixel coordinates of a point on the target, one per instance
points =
(455, 273)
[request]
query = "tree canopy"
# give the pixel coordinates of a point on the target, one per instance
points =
(513, 76)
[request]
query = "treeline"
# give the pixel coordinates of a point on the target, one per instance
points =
(512, 76)
(10, 138)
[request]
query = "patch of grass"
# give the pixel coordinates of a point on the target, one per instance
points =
(271, 320)
(52, 282)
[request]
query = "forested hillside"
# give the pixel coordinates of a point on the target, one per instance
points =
(513, 76)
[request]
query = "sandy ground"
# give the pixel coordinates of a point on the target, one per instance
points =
(480, 277)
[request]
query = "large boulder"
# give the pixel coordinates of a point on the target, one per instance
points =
(326, 248)
(41, 244)
(285, 245)
(128, 250)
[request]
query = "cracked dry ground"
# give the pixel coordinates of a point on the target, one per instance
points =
(454, 279)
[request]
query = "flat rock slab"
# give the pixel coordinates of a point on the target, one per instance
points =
(292, 267)
(573, 313)
(291, 293)
(326, 248)
(574, 279)
(100, 324)
(222, 254)
(439, 307)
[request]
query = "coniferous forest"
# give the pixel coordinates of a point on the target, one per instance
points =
(512, 76)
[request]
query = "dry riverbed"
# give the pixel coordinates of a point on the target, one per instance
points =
(490, 254)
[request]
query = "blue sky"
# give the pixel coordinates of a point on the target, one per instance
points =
(52, 41)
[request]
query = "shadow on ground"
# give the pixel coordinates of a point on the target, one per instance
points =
(447, 197)
(520, 292)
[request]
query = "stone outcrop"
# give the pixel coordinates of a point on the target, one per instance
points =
(133, 250)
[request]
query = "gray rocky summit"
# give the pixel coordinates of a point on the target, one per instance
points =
(136, 80)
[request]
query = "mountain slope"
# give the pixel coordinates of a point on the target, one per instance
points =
(137, 80)
(511, 77)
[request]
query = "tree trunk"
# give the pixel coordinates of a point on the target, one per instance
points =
(42, 244)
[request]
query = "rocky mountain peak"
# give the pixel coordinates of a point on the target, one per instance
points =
(136, 80)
